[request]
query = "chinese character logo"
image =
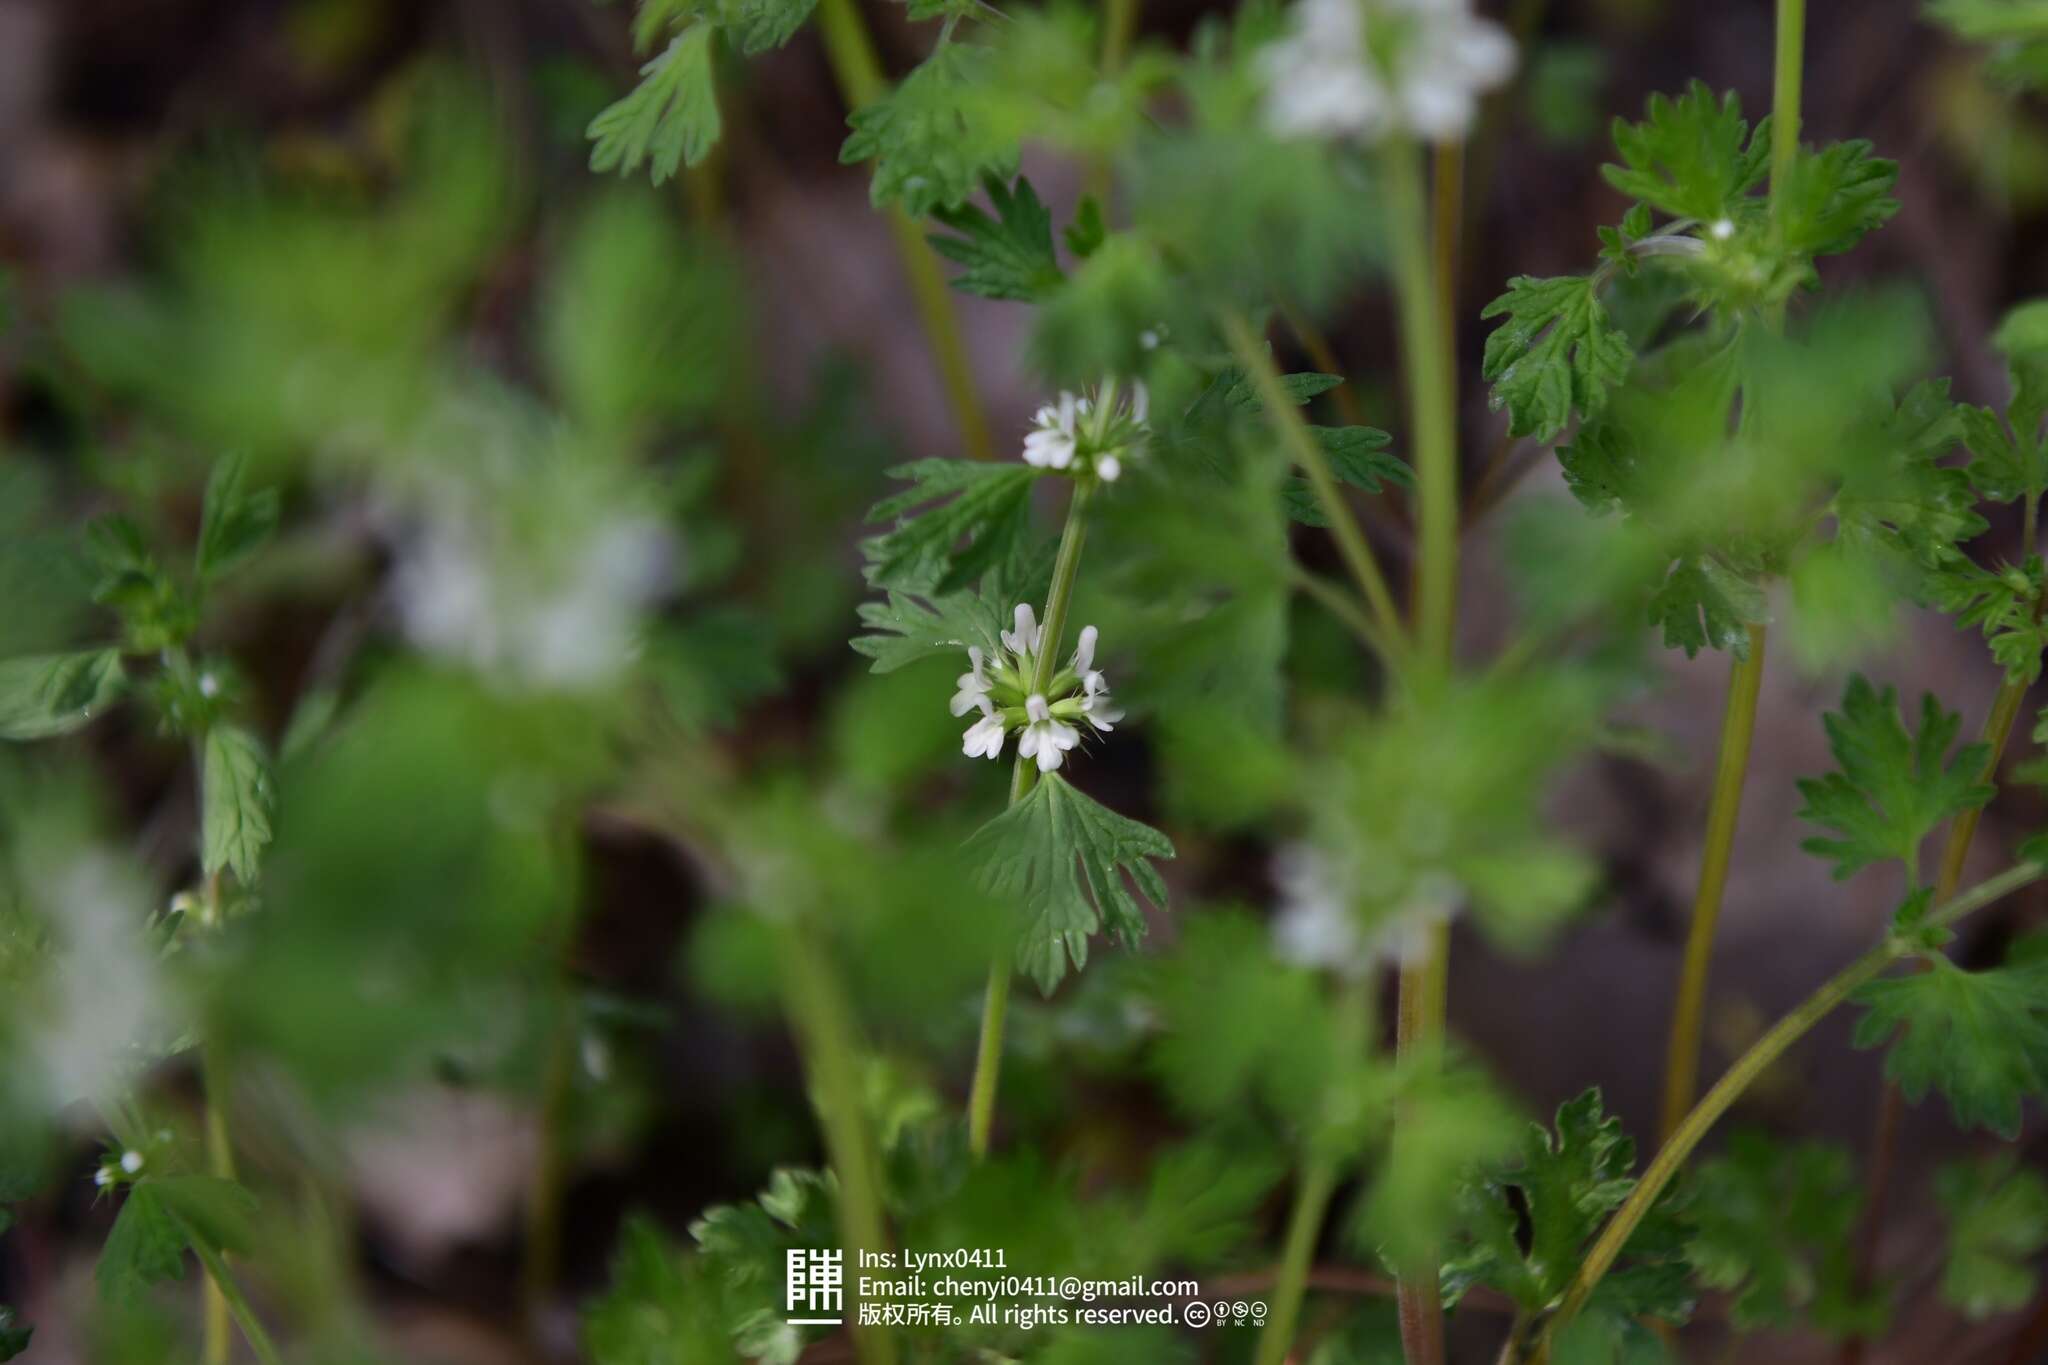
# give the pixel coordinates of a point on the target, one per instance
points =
(816, 1282)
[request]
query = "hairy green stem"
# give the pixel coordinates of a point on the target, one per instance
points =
(859, 73)
(1738, 727)
(1790, 1029)
(825, 1026)
(1066, 568)
(1301, 447)
(1341, 605)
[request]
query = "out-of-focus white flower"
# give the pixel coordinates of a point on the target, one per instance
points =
(999, 687)
(1054, 439)
(564, 615)
(1322, 919)
(1092, 433)
(99, 1011)
(1368, 68)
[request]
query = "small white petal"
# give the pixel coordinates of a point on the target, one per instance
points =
(1084, 650)
(1107, 468)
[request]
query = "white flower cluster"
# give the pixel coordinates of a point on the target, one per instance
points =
(1368, 68)
(1089, 433)
(1046, 722)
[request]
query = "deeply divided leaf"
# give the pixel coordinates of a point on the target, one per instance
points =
(1892, 787)
(958, 519)
(237, 799)
(1982, 1037)
(1008, 255)
(670, 119)
(53, 694)
(1064, 857)
(1558, 354)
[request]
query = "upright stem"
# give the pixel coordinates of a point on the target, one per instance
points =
(1790, 68)
(1119, 23)
(1432, 403)
(1753, 1063)
(1955, 851)
(1066, 567)
(1738, 725)
(237, 1304)
(859, 73)
(825, 1026)
(1302, 449)
(220, 1161)
(1304, 1222)
(1312, 1195)
(1421, 250)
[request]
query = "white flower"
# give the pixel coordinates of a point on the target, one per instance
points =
(1023, 641)
(1096, 705)
(1091, 433)
(1045, 737)
(984, 738)
(1723, 229)
(1047, 721)
(1053, 440)
(1316, 925)
(1367, 68)
(973, 686)
(131, 1162)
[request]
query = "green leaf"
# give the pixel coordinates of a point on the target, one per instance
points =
(1982, 1037)
(764, 24)
(1063, 856)
(237, 800)
(144, 1246)
(53, 694)
(1531, 1216)
(1893, 787)
(1692, 157)
(1772, 1224)
(668, 120)
(2002, 466)
(930, 143)
(2005, 606)
(1557, 354)
(2022, 338)
(1237, 1024)
(1997, 1215)
(1358, 456)
(235, 522)
(1087, 232)
(160, 1218)
(14, 1334)
(1702, 604)
(1832, 198)
(1008, 256)
(1241, 395)
(659, 1306)
(986, 506)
